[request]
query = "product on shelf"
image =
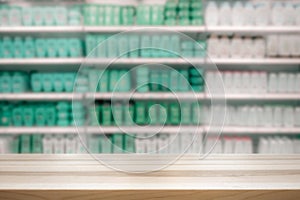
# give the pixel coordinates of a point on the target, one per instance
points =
(143, 45)
(235, 47)
(228, 145)
(268, 115)
(42, 114)
(145, 112)
(283, 45)
(28, 47)
(278, 145)
(12, 15)
(255, 82)
(251, 13)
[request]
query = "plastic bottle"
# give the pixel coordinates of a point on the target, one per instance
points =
(212, 14)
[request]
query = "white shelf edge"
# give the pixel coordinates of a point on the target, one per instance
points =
(253, 29)
(144, 96)
(130, 61)
(120, 28)
(226, 130)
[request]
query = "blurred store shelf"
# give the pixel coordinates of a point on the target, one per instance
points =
(253, 29)
(45, 96)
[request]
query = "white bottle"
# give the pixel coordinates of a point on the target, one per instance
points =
(246, 79)
(259, 48)
(248, 47)
(263, 82)
(295, 46)
(291, 80)
(277, 119)
(225, 14)
(288, 116)
(262, 13)
(237, 82)
(212, 14)
(263, 145)
(254, 82)
(236, 47)
(297, 116)
(277, 14)
(272, 45)
(228, 81)
(224, 47)
(237, 14)
(268, 115)
(249, 13)
(282, 82)
(297, 83)
(289, 14)
(297, 10)
(260, 116)
(273, 83)
(213, 46)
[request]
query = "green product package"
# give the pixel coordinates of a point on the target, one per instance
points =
(17, 116)
(183, 81)
(185, 109)
(58, 82)
(109, 15)
(90, 44)
(7, 48)
(155, 46)
(174, 80)
(196, 80)
(170, 13)
(117, 143)
(143, 14)
(36, 82)
(18, 48)
(184, 21)
(141, 113)
(175, 45)
(101, 15)
(41, 47)
(142, 79)
(38, 16)
(27, 16)
(29, 48)
(19, 82)
(197, 21)
(113, 79)
(155, 80)
(164, 80)
(117, 113)
(134, 45)
(124, 82)
(197, 88)
(157, 15)
(74, 47)
(15, 16)
(47, 82)
(123, 46)
(129, 143)
(153, 113)
(5, 82)
(170, 22)
(36, 144)
(102, 46)
(104, 81)
(40, 118)
(49, 15)
(50, 113)
(6, 117)
(61, 15)
(184, 14)
(69, 79)
(52, 48)
(196, 72)
(174, 113)
(145, 46)
(28, 115)
(25, 143)
(15, 145)
(171, 4)
(106, 144)
(62, 48)
(112, 47)
(163, 113)
(106, 118)
(128, 111)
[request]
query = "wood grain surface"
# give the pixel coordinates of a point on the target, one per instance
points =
(217, 177)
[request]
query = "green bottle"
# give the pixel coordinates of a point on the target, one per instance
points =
(28, 115)
(41, 48)
(29, 48)
(17, 116)
(106, 118)
(5, 82)
(25, 143)
(7, 48)
(117, 143)
(36, 144)
(40, 117)
(50, 113)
